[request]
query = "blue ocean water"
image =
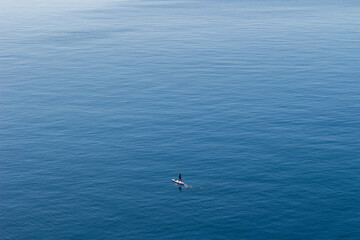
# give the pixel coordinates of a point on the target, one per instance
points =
(256, 103)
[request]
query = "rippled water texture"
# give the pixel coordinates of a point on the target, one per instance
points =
(256, 103)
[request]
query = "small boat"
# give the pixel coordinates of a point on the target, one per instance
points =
(178, 182)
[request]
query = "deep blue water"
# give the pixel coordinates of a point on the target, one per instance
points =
(256, 103)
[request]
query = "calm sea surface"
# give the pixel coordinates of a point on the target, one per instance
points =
(256, 103)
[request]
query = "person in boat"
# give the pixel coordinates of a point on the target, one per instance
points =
(180, 177)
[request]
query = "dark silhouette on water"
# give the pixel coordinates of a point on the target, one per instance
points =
(180, 180)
